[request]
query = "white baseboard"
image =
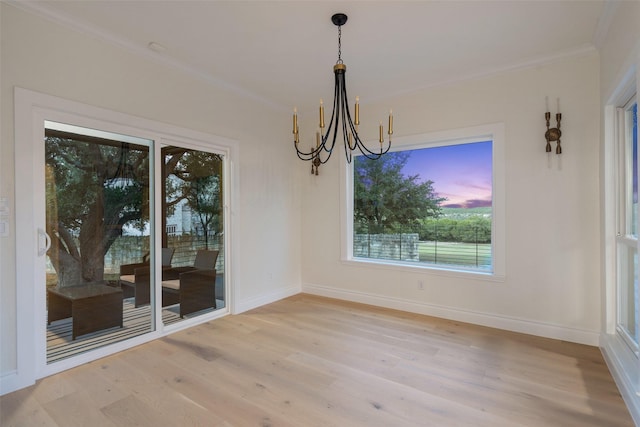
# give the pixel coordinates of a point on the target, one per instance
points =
(260, 300)
(623, 366)
(11, 381)
(514, 324)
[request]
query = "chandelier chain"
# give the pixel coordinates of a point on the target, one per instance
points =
(339, 45)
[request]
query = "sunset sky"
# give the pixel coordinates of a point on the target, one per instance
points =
(461, 173)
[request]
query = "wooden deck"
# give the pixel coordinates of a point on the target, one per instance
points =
(311, 361)
(136, 321)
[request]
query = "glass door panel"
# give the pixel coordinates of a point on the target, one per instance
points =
(98, 198)
(193, 227)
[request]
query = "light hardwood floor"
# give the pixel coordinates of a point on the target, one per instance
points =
(312, 361)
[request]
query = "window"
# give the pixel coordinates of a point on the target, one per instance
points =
(431, 203)
(627, 231)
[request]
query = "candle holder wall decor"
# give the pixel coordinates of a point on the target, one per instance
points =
(553, 134)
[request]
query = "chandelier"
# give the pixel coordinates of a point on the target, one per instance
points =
(340, 120)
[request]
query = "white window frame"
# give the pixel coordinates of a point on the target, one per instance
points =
(625, 240)
(623, 362)
(493, 132)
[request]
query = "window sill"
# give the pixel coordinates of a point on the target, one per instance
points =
(435, 270)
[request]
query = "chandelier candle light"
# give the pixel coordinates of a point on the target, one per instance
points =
(325, 142)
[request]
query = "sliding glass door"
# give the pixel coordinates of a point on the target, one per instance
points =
(101, 285)
(122, 231)
(193, 230)
(98, 195)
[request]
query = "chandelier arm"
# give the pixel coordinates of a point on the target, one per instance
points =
(301, 154)
(335, 117)
(372, 155)
(333, 123)
(348, 151)
(341, 107)
(325, 160)
(327, 151)
(369, 154)
(308, 156)
(305, 155)
(315, 151)
(347, 123)
(335, 133)
(324, 141)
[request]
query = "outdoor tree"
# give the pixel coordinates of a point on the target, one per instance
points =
(197, 180)
(385, 200)
(94, 187)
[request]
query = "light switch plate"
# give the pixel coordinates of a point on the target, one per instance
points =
(4, 217)
(4, 206)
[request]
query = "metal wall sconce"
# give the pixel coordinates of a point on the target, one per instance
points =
(553, 134)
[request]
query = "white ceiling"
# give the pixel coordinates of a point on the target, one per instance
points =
(284, 51)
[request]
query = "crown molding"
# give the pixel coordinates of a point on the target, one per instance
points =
(583, 50)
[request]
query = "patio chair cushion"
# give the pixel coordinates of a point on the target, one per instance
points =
(130, 278)
(171, 284)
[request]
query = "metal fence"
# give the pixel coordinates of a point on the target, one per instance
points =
(130, 249)
(465, 246)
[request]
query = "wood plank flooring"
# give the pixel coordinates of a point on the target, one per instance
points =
(312, 361)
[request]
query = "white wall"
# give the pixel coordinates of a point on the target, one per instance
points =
(552, 283)
(46, 57)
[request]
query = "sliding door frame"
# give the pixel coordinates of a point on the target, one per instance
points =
(31, 110)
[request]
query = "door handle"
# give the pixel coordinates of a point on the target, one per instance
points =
(47, 242)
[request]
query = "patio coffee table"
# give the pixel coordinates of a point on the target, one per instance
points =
(91, 307)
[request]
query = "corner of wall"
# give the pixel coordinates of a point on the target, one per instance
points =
(263, 299)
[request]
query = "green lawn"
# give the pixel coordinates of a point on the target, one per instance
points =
(454, 253)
